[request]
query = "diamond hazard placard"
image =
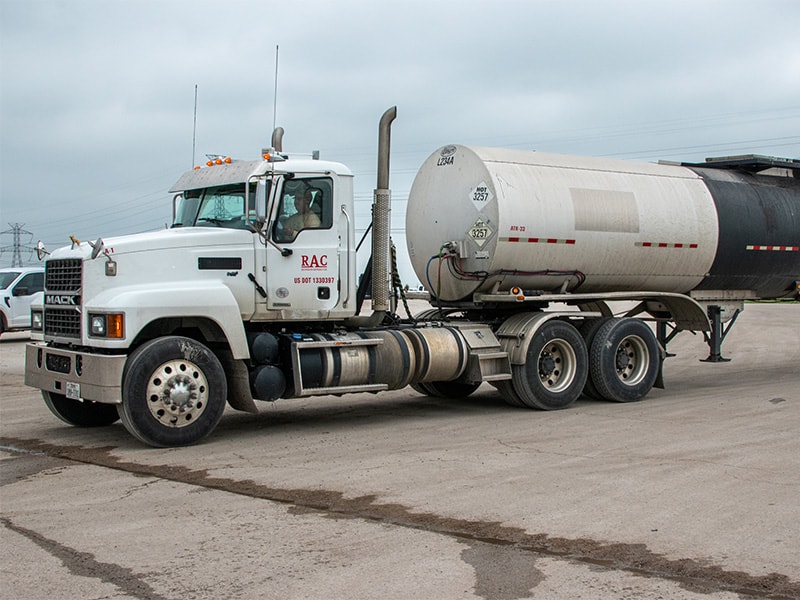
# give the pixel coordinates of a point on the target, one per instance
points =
(480, 232)
(481, 195)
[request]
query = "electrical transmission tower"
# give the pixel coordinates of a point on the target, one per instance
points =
(16, 246)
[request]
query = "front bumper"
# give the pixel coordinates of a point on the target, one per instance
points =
(76, 375)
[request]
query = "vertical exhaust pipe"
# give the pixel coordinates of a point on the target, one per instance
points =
(381, 218)
(277, 139)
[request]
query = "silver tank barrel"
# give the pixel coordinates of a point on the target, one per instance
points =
(489, 219)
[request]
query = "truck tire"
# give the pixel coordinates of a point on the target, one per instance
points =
(80, 413)
(173, 392)
(506, 389)
(555, 368)
(445, 389)
(589, 330)
(624, 360)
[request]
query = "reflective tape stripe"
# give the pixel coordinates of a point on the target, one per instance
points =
(536, 240)
(775, 248)
(666, 245)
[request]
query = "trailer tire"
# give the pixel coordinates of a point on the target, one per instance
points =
(80, 413)
(589, 331)
(624, 360)
(555, 368)
(173, 392)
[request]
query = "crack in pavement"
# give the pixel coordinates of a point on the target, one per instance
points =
(84, 564)
(691, 574)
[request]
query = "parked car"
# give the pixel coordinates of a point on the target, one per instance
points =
(18, 286)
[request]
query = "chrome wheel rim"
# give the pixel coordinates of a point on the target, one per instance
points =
(177, 393)
(557, 365)
(632, 360)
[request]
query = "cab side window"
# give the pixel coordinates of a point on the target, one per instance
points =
(304, 204)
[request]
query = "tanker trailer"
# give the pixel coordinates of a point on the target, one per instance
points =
(492, 228)
(483, 220)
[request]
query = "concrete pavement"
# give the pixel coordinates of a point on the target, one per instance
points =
(691, 493)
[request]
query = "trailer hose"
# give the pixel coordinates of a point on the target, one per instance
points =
(397, 283)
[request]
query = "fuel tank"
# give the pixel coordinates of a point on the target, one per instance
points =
(488, 219)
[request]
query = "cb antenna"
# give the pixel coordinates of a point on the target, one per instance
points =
(194, 127)
(275, 98)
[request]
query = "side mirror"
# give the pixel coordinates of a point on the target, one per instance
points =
(261, 203)
(97, 248)
(176, 200)
(40, 251)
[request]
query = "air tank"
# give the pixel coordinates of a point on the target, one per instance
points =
(483, 220)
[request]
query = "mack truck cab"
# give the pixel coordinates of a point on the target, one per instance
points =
(186, 302)
(292, 272)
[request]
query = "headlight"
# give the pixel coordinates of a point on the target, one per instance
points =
(107, 325)
(37, 320)
(98, 325)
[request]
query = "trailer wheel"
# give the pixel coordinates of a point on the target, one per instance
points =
(588, 331)
(555, 368)
(173, 392)
(624, 360)
(80, 413)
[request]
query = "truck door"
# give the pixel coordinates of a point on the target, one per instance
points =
(20, 298)
(307, 280)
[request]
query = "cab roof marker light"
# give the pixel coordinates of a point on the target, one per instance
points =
(217, 159)
(272, 155)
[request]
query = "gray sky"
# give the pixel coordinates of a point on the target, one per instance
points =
(97, 96)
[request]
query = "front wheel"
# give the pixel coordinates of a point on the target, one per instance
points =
(173, 392)
(80, 413)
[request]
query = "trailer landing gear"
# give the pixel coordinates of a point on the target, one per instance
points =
(718, 332)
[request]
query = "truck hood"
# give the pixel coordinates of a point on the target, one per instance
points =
(162, 239)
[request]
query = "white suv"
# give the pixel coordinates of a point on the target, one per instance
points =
(18, 286)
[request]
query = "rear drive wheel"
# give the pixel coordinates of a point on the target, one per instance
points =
(506, 389)
(555, 368)
(80, 413)
(624, 360)
(448, 389)
(173, 392)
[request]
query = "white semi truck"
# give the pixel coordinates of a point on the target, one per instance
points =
(253, 294)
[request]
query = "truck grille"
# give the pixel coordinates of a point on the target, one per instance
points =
(63, 275)
(62, 285)
(62, 322)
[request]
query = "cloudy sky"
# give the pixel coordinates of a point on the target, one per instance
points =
(97, 96)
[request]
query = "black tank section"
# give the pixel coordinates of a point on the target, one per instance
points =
(755, 212)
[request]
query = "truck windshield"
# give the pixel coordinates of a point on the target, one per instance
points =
(222, 206)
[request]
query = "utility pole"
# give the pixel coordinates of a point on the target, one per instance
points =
(16, 246)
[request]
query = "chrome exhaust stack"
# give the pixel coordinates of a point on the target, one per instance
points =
(381, 219)
(277, 139)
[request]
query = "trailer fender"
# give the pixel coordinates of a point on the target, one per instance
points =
(516, 332)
